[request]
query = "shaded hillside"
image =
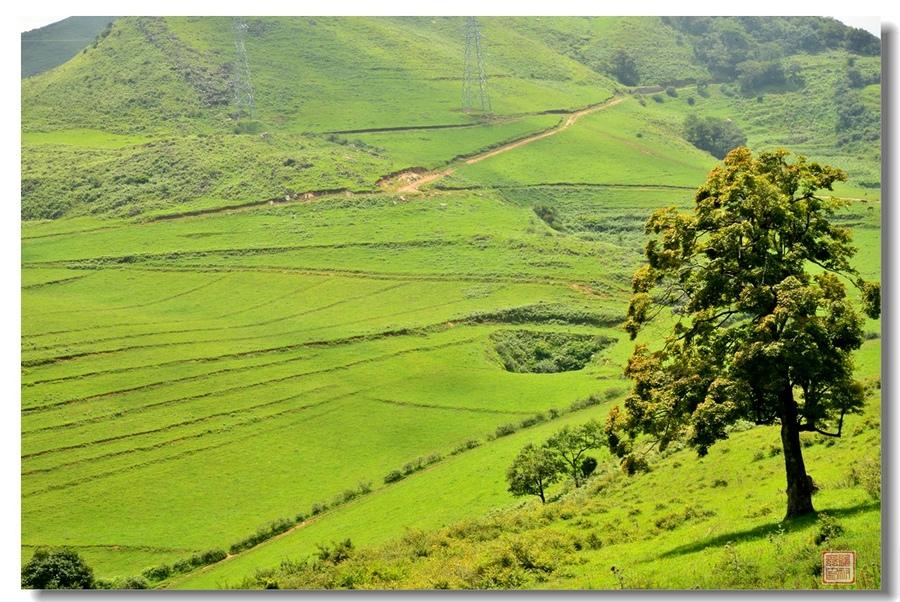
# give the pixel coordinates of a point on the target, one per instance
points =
(46, 47)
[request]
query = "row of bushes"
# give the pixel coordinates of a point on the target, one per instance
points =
(413, 466)
(164, 571)
(545, 313)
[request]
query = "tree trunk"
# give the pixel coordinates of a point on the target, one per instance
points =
(799, 491)
(541, 492)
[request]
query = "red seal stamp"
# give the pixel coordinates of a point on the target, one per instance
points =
(838, 567)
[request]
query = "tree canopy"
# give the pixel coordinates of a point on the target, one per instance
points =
(57, 569)
(534, 469)
(715, 136)
(754, 278)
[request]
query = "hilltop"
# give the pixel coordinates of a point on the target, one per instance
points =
(154, 97)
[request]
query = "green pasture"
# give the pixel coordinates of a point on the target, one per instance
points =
(207, 348)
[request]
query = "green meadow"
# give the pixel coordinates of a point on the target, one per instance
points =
(237, 324)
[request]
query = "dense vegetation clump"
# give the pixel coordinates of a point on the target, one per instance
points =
(714, 135)
(544, 352)
(57, 569)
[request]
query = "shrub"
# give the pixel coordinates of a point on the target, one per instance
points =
(465, 445)
(867, 473)
(157, 573)
(393, 476)
(588, 466)
(263, 533)
(671, 91)
(532, 420)
(548, 214)
(340, 551)
(57, 569)
(829, 528)
(504, 429)
(657, 98)
(691, 100)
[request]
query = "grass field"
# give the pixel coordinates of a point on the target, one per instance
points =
(239, 326)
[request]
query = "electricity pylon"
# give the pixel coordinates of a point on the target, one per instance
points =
(475, 95)
(243, 91)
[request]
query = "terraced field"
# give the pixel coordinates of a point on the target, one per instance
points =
(291, 329)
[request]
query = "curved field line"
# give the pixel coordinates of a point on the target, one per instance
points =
(111, 546)
(252, 421)
(206, 375)
(137, 306)
(350, 340)
(211, 329)
(343, 272)
(434, 406)
(38, 285)
(225, 391)
(234, 412)
(297, 291)
(70, 356)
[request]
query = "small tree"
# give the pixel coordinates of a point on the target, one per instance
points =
(572, 443)
(57, 569)
(533, 470)
(758, 335)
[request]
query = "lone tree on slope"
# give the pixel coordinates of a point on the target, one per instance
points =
(533, 470)
(763, 328)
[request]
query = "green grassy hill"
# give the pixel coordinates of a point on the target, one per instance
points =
(46, 47)
(244, 336)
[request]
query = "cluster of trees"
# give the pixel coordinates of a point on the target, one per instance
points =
(565, 453)
(714, 135)
(722, 44)
(625, 69)
(757, 76)
(855, 122)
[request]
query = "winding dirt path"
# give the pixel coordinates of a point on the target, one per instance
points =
(410, 182)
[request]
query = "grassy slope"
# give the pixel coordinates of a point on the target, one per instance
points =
(656, 529)
(150, 369)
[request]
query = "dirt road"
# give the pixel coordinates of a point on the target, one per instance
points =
(411, 182)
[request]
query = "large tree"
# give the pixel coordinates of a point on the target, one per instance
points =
(754, 280)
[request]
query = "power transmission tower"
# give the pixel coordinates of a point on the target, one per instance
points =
(474, 71)
(243, 91)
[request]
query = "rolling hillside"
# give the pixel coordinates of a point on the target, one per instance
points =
(251, 331)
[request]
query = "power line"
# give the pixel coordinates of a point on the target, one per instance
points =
(474, 78)
(243, 91)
